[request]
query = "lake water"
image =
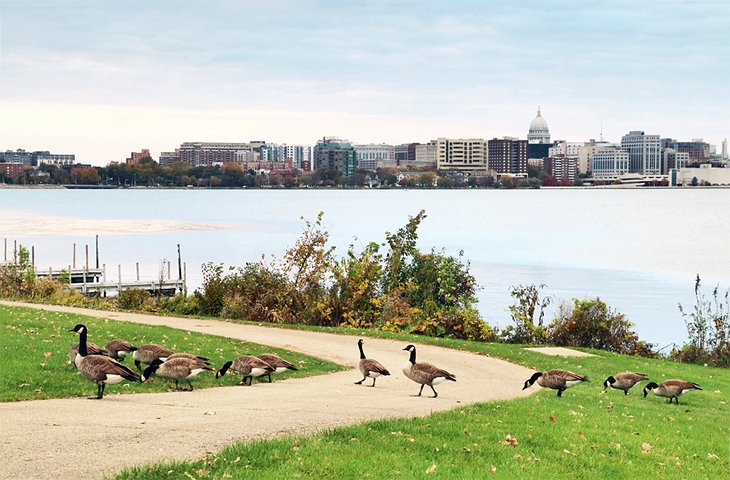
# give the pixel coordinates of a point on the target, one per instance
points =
(638, 250)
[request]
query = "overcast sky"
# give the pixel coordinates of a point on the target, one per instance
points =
(101, 79)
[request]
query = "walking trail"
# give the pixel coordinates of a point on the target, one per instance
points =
(79, 438)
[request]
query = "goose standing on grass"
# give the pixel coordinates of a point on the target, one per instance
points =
(247, 366)
(91, 349)
(624, 381)
(368, 367)
(188, 356)
(280, 365)
(671, 389)
(424, 373)
(559, 380)
(119, 349)
(98, 368)
(176, 369)
(148, 353)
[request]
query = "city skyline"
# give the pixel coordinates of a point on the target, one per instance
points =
(76, 79)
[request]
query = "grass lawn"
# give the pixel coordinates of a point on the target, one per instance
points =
(585, 434)
(34, 354)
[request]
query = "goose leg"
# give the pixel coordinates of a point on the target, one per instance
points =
(626, 392)
(434, 392)
(419, 392)
(269, 375)
(138, 365)
(191, 385)
(374, 378)
(177, 386)
(560, 392)
(360, 382)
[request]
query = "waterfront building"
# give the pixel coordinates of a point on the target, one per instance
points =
(11, 169)
(372, 156)
(698, 150)
(585, 158)
(672, 159)
(426, 154)
(209, 153)
(508, 156)
(705, 174)
(167, 158)
(335, 155)
(405, 154)
(38, 157)
(538, 132)
(136, 156)
(563, 169)
(300, 155)
(468, 155)
(18, 156)
(610, 162)
(644, 152)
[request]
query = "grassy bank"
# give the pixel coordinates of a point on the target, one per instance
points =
(35, 345)
(585, 434)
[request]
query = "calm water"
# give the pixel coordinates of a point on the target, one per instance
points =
(638, 250)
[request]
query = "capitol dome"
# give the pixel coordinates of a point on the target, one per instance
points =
(539, 132)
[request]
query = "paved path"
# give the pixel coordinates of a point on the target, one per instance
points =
(78, 438)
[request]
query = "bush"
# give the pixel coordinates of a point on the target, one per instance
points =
(592, 324)
(134, 299)
(527, 328)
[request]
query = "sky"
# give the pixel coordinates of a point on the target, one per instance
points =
(103, 79)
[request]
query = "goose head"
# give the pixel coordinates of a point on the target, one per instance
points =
(79, 328)
(410, 348)
(223, 369)
(532, 379)
(649, 386)
(151, 369)
(609, 381)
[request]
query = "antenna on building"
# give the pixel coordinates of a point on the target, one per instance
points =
(601, 128)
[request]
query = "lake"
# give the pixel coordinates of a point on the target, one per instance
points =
(639, 250)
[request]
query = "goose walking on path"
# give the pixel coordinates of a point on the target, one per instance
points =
(624, 381)
(559, 380)
(98, 368)
(176, 369)
(368, 367)
(247, 366)
(671, 389)
(280, 365)
(425, 373)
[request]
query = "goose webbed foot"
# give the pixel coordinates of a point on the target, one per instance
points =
(373, 382)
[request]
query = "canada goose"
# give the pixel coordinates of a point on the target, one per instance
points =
(189, 356)
(119, 349)
(148, 353)
(91, 348)
(425, 373)
(559, 380)
(671, 389)
(624, 381)
(98, 368)
(280, 365)
(248, 366)
(176, 369)
(369, 367)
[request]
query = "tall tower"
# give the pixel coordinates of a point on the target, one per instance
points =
(539, 132)
(724, 149)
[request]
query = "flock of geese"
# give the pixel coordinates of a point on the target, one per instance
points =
(103, 366)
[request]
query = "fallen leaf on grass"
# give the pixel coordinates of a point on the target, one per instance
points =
(712, 456)
(646, 448)
(552, 418)
(494, 469)
(431, 469)
(511, 441)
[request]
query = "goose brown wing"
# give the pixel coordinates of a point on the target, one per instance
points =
(632, 377)
(276, 361)
(434, 371)
(118, 345)
(565, 375)
(370, 365)
(97, 367)
(680, 384)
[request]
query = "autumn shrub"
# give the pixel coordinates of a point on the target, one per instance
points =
(527, 312)
(56, 292)
(210, 298)
(592, 324)
(134, 299)
(16, 279)
(257, 293)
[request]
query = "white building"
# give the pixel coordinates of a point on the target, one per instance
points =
(565, 149)
(704, 175)
(585, 159)
(539, 132)
(427, 154)
(644, 152)
(372, 156)
(672, 159)
(610, 163)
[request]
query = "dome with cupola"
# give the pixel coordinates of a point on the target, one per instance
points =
(539, 132)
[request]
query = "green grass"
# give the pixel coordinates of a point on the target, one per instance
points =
(585, 434)
(35, 343)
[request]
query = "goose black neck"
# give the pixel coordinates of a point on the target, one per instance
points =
(413, 356)
(362, 354)
(82, 343)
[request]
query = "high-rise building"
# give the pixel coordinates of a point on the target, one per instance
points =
(427, 154)
(209, 153)
(563, 169)
(644, 152)
(405, 154)
(167, 158)
(539, 132)
(462, 154)
(335, 155)
(136, 156)
(508, 156)
(585, 159)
